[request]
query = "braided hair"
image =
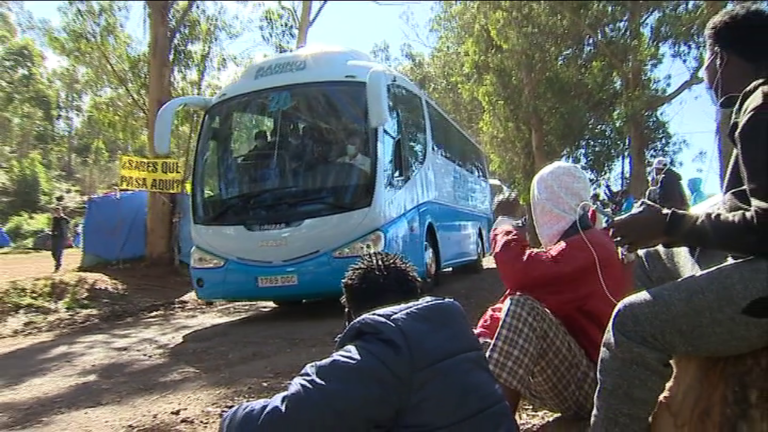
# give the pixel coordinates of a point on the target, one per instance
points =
(379, 279)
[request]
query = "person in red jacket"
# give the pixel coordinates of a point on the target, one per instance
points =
(547, 328)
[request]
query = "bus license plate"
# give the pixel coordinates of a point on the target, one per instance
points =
(275, 281)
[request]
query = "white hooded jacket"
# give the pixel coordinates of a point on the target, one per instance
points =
(557, 194)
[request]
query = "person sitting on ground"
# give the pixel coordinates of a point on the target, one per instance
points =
(695, 306)
(547, 328)
(402, 363)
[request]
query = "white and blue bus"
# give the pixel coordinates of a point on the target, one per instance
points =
(315, 157)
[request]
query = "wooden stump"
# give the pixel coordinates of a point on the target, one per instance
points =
(715, 394)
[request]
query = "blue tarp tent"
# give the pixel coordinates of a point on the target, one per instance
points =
(114, 228)
(77, 241)
(5, 241)
(183, 205)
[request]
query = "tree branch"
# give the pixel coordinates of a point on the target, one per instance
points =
(692, 80)
(118, 76)
(317, 14)
(617, 63)
(180, 21)
(292, 11)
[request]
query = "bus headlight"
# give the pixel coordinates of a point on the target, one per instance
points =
(373, 242)
(202, 259)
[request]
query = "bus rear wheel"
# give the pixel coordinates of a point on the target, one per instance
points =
(475, 266)
(431, 263)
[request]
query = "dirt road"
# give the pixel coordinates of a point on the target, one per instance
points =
(176, 371)
(20, 266)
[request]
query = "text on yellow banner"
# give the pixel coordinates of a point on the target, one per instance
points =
(154, 175)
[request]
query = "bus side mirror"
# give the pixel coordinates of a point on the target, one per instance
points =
(376, 92)
(164, 120)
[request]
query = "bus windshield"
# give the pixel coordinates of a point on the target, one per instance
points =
(283, 155)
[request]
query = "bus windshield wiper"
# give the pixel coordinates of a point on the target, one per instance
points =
(321, 199)
(244, 200)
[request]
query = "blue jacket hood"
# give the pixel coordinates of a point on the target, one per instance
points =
(694, 184)
(413, 366)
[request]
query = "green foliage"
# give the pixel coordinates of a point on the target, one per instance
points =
(279, 28)
(531, 81)
(30, 184)
(539, 81)
(68, 121)
(23, 227)
(44, 295)
(382, 54)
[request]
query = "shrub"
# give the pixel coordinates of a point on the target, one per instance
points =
(29, 184)
(23, 227)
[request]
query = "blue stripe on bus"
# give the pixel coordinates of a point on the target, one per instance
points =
(320, 277)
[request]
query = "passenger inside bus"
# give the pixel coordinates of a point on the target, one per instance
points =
(353, 154)
(319, 147)
(261, 142)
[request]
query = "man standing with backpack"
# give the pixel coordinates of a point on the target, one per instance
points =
(59, 231)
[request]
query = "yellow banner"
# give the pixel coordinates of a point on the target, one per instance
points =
(154, 175)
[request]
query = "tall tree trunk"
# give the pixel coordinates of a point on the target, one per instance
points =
(725, 146)
(70, 146)
(638, 178)
(535, 122)
(536, 126)
(638, 181)
(306, 13)
(533, 236)
(540, 159)
(159, 214)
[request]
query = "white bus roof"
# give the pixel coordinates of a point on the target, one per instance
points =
(315, 63)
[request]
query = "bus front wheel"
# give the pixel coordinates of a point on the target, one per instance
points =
(431, 263)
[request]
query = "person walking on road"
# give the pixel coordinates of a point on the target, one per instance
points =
(59, 229)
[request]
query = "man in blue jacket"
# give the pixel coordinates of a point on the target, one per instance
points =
(402, 363)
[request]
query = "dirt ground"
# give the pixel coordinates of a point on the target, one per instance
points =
(176, 369)
(20, 266)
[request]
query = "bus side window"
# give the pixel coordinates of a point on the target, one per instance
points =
(391, 133)
(413, 126)
(401, 170)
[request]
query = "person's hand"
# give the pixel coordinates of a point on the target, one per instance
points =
(642, 228)
(522, 230)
